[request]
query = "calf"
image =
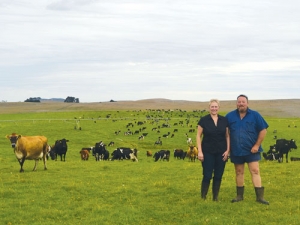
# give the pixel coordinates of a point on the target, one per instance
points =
(84, 154)
(149, 153)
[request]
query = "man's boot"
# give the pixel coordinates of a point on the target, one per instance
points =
(259, 191)
(240, 194)
(204, 189)
(215, 189)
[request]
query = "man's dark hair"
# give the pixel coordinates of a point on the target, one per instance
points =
(242, 95)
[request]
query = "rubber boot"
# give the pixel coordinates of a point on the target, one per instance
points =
(215, 189)
(204, 189)
(240, 194)
(259, 191)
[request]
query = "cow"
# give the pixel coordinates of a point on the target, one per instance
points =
(295, 158)
(283, 146)
(162, 155)
(100, 152)
(271, 156)
(192, 153)
(189, 141)
(84, 154)
(111, 143)
(124, 153)
(179, 154)
(29, 147)
(158, 142)
(149, 153)
(59, 148)
(141, 137)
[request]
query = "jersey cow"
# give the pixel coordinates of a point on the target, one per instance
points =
(29, 147)
(192, 153)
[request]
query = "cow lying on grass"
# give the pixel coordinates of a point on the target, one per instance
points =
(124, 153)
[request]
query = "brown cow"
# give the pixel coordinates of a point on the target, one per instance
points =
(149, 153)
(192, 153)
(29, 147)
(84, 154)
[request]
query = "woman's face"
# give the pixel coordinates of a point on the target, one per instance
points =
(213, 108)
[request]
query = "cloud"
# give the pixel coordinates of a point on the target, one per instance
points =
(189, 50)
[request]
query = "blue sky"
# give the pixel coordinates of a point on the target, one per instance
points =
(130, 50)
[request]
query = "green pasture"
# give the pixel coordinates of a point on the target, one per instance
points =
(143, 192)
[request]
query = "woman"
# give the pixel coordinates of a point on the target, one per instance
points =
(213, 148)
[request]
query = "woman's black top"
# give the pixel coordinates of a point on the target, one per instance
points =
(214, 137)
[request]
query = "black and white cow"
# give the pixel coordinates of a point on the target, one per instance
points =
(271, 156)
(162, 155)
(100, 152)
(124, 153)
(283, 146)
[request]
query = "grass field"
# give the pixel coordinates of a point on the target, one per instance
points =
(125, 192)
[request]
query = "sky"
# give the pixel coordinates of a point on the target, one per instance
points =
(194, 50)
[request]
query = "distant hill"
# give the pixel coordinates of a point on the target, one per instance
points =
(52, 99)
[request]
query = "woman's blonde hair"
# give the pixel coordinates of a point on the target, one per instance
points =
(214, 100)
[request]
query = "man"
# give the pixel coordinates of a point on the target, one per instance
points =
(247, 131)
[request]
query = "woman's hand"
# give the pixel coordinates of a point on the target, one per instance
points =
(225, 155)
(200, 156)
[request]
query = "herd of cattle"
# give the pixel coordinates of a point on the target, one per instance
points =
(37, 147)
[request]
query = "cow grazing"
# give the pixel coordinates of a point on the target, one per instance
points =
(179, 154)
(283, 146)
(29, 147)
(124, 153)
(111, 143)
(162, 155)
(84, 154)
(59, 148)
(192, 153)
(149, 153)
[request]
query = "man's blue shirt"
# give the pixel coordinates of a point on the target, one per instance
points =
(244, 132)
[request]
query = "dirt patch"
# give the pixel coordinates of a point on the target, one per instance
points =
(274, 108)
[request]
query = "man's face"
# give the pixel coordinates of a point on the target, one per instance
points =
(242, 104)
